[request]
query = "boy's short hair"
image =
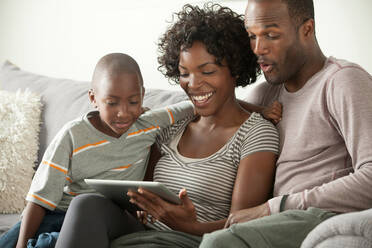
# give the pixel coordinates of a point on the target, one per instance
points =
(114, 64)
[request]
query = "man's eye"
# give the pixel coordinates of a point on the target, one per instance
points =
(272, 35)
(111, 103)
(134, 102)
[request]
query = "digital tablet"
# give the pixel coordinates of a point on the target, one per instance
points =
(116, 190)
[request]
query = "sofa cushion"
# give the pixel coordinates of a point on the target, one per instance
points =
(156, 98)
(19, 131)
(63, 99)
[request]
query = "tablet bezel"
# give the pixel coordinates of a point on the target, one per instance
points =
(117, 189)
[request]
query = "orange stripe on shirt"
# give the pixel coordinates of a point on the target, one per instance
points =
(171, 115)
(87, 145)
(69, 179)
(143, 130)
(44, 201)
(55, 166)
(123, 167)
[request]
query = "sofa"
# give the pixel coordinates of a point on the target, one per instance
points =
(62, 100)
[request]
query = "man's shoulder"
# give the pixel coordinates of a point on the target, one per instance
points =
(344, 67)
(346, 74)
(341, 63)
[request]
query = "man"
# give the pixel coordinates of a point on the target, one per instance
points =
(325, 165)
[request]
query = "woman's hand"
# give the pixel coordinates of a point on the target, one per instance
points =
(179, 217)
(142, 216)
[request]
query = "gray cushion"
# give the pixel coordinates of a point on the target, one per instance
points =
(156, 98)
(63, 99)
(344, 230)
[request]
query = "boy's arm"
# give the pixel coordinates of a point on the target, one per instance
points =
(46, 189)
(164, 117)
(31, 219)
(51, 177)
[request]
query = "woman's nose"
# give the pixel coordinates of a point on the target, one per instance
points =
(194, 81)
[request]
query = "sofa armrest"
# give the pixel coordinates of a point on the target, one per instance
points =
(344, 230)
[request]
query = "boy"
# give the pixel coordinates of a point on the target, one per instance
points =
(110, 143)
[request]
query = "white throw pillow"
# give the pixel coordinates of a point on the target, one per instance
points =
(19, 128)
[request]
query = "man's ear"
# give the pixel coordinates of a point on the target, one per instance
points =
(308, 28)
(92, 98)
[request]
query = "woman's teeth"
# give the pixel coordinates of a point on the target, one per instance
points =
(203, 97)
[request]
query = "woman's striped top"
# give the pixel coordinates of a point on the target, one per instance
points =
(210, 181)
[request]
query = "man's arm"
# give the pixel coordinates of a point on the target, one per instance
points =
(351, 112)
(350, 107)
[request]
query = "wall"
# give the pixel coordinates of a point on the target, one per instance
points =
(66, 38)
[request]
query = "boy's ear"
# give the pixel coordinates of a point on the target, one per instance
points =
(92, 98)
(143, 92)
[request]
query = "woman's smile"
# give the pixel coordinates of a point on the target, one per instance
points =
(201, 99)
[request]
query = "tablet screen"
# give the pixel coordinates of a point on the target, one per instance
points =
(116, 190)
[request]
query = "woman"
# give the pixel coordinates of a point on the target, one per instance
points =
(224, 157)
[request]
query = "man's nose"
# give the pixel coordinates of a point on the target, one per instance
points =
(260, 47)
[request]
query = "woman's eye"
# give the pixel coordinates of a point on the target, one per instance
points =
(184, 74)
(134, 102)
(208, 72)
(111, 103)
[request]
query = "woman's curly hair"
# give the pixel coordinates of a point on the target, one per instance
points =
(223, 33)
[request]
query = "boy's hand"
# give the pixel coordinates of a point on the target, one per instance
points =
(273, 113)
